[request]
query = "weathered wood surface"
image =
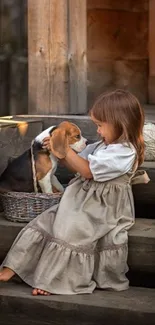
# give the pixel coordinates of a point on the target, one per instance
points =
(57, 56)
(141, 242)
(13, 141)
(142, 246)
(18, 85)
(47, 43)
(134, 306)
(105, 39)
(115, 58)
(77, 58)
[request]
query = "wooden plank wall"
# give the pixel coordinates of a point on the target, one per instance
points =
(47, 42)
(118, 46)
(57, 56)
(64, 63)
(116, 59)
(13, 57)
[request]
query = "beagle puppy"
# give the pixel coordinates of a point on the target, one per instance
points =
(18, 175)
(46, 164)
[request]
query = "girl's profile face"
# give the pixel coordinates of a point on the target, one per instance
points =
(105, 130)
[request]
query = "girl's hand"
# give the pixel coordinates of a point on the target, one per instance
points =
(46, 143)
(57, 144)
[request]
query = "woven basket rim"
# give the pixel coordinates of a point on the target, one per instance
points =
(31, 195)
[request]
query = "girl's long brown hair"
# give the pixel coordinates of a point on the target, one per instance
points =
(123, 110)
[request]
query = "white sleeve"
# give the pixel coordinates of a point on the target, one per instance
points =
(88, 150)
(112, 162)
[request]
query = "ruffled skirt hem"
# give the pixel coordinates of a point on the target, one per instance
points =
(55, 266)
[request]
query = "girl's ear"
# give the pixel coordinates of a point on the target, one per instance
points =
(59, 143)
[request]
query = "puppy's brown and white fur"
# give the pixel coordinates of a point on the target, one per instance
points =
(65, 134)
(18, 174)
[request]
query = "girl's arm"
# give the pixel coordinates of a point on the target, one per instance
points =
(72, 161)
(64, 163)
(77, 164)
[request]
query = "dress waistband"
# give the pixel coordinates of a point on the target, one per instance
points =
(138, 177)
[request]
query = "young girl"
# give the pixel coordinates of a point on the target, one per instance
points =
(82, 243)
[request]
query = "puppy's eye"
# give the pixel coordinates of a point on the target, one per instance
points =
(78, 136)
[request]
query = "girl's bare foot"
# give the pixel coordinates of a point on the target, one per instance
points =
(6, 274)
(37, 292)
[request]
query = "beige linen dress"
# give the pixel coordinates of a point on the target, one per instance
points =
(82, 243)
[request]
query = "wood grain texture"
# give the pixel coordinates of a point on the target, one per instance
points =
(77, 59)
(57, 56)
(39, 56)
(48, 44)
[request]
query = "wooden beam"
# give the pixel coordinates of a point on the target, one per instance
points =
(58, 101)
(57, 56)
(47, 43)
(77, 57)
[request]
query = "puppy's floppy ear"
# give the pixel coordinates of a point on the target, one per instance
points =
(59, 143)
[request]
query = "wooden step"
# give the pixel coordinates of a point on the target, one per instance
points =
(135, 306)
(141, 242)
(142, 246)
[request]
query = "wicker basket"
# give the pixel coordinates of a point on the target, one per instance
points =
(24, 207)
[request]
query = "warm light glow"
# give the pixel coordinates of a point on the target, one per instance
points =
(22, 127)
